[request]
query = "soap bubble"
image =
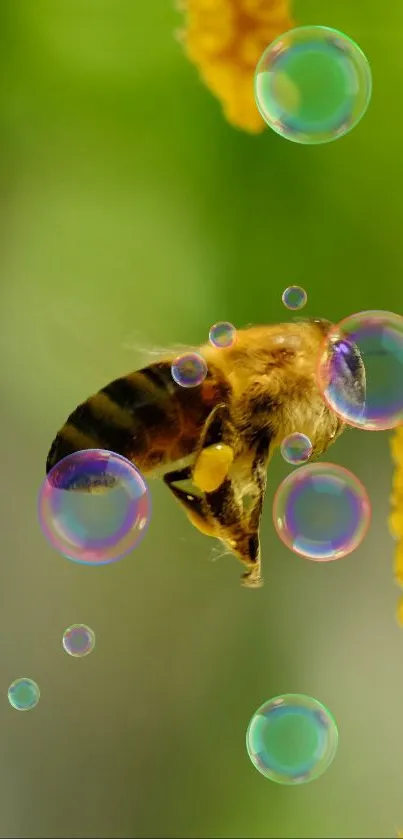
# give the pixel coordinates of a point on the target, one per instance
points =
(372, 340)
(321, 511)
(23, 694)
(94, 507)
(294, 297)
(292, 739)
(222, 334)
(189, 369)
(78, 640)
(313, 84)
(296, 448)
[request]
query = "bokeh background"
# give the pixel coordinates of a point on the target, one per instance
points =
(133, 216)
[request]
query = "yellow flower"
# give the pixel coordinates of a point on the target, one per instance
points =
(396, 515)
(398, 565)
(399, 616)
(225, 39)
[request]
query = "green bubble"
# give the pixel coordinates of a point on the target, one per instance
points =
(23, 694)
(313, 84)
(292, 739)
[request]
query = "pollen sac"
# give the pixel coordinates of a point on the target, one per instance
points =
(212, 467)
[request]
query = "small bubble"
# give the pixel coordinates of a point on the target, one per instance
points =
(296, 448)
(78, 640)
(222, 335)
(294, 297)
(23, 694)
(189, 370)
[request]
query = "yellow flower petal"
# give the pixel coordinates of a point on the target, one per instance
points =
(398, 565)
(396, 514)
(396, 522)
(399, 614)
(225, 39)
(396, 444)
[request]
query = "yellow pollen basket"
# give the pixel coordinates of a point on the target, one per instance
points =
(212, 467)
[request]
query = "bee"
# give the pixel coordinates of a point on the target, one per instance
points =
(218, 437)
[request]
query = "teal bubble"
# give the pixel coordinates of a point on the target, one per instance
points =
(294, 297)
(313, 84)
(23, 694)
(292, 739)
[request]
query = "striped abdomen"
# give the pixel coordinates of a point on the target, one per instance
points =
(144, 416)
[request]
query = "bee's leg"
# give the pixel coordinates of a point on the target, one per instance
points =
(226, 508)
(220, 514)
(251, 543)
(259, 478)
(193, 505)
(215, 450)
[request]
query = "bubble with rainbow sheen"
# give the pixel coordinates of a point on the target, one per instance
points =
(321, 511)
(189, 369)
(24, 694)
(94, 507)
(367, 346)
(292, 739)
(222, 335)
(294, 298)
(296, 448)
(78, 640)
(313, 84)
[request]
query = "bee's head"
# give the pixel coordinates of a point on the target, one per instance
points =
(346, 375)
(322, 325)
(343, 370)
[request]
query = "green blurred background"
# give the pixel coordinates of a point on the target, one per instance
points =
(133, 216)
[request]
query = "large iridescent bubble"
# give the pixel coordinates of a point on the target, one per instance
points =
(312, 84)
(375, 339)
(292, 739)
(94, 507)
(321, 511)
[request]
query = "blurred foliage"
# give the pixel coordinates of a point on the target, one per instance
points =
(133, 215)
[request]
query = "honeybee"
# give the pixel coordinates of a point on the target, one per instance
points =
(220, 435)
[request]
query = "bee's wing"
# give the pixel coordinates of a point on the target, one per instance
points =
(148, 352)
